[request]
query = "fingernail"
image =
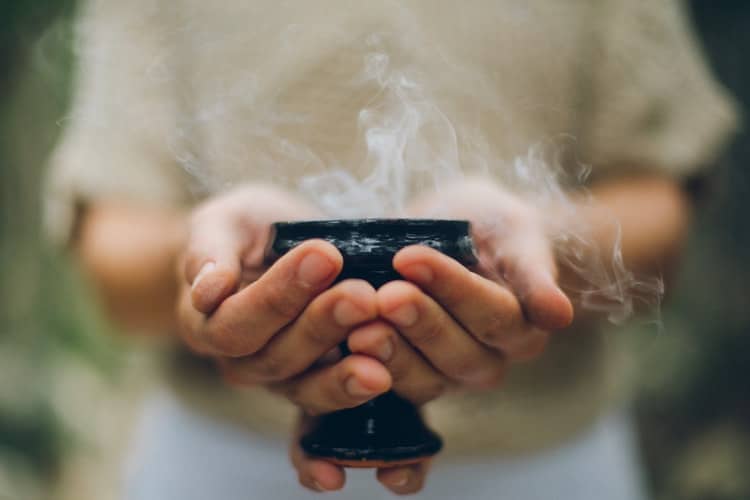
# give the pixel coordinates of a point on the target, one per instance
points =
(356, 389)
(314, 269)
(345, 313)
(385, 351)
(318, 486)
(207, 268)
(402, 477)
(405, 315)
(421, 273)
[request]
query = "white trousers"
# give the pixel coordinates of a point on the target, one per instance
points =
(181, 455)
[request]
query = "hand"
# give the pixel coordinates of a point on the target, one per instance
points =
(271, 325)
(446, 325)
(319, 475)
(469, 324)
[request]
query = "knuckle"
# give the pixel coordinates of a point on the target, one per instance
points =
(319, 336)
(225, 339)
(453, 297)
(492, 331)
(430, 391)
(496, 377)
(454, 294)
(531, 349)
(320, 329)
(335, 398)
(338, 399)
(399, 371)
(489, 379)
(505, 319)
(280, 302)
(430, 331)
(466, 369)
(272, 368)
(192, 336)
(219, 335)
(434, 390)
(479, 375)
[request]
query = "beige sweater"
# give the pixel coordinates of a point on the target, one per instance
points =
(178, 99)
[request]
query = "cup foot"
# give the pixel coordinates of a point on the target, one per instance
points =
(385, 432)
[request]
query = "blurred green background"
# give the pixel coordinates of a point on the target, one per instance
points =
(694, 399)
(50, 334)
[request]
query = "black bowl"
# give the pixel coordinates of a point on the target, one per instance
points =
(386, 430)
(368, 245)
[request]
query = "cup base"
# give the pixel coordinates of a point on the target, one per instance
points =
(387, 431)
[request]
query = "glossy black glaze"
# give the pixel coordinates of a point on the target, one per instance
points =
(388, 428)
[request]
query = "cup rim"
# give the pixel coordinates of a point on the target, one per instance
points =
(427, 222)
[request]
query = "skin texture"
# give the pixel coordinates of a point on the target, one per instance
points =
(442, 326)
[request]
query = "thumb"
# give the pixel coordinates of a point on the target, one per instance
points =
(212, 263)
(544, 303)
(531, 271)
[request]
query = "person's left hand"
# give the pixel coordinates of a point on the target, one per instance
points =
(446, 325)
(470, 323)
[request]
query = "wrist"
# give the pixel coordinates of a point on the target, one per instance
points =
(129, 252)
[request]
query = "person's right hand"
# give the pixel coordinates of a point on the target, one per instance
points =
(272, 325)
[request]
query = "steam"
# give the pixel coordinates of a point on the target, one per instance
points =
(406, 138)
(606, 285)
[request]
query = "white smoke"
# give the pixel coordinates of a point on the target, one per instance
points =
(605, 284)
(411, 143)
(408, 139)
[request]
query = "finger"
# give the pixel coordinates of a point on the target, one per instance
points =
(245, 321)
(317, 475)
(431, 330)
(191, 323)
(413, 377)
(404, 480)
(450, 283)
(211, 264)
(528, 265)
(351, 382)
(529, 344)
(322, 326)
(488, 310)
(545, 304)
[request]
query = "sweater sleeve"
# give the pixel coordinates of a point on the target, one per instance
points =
(654, 103)
(119, 135)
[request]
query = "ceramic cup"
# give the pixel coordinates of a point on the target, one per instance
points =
(387, 430)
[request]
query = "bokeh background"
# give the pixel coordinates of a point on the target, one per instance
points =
(62, 366)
